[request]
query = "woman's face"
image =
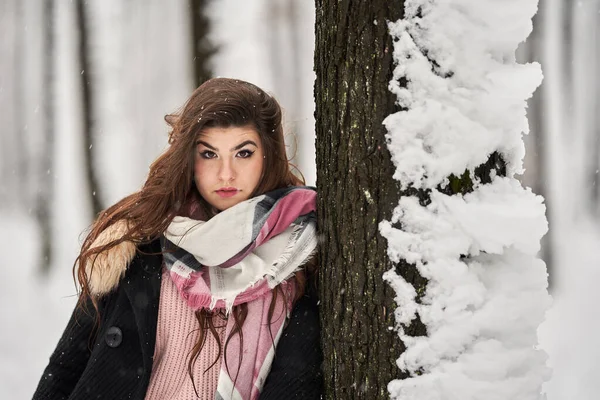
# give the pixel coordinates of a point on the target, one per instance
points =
(228, 165)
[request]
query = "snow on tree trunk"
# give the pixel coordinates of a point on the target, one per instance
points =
(458, 140)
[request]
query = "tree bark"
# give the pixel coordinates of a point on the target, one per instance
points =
(353, 64)
(88, 107)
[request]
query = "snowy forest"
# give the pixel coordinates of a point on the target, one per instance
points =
(85, 86)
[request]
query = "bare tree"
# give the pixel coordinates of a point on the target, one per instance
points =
(8, 33)
(595, 153)
(88, 106)
(284, 45)
(202, 47)
(284, 49)
(22, 166)
(45, 186)
(539, 139)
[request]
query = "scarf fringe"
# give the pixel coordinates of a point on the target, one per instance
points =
(301, 247)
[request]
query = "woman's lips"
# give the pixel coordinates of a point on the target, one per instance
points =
(227, 192)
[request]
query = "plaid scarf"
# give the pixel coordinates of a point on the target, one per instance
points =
(239, 256)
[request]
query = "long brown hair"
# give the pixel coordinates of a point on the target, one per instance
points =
(169, 189)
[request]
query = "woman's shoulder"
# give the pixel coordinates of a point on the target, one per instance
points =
(106, 270)
(304, 319)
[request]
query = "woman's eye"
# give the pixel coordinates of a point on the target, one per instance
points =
(245, 153)
(207, 154)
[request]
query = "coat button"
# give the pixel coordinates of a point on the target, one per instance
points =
(113, 336)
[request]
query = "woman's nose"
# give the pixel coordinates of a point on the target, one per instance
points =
(226, 171)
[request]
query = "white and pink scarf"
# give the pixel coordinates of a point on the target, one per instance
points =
(239, 256)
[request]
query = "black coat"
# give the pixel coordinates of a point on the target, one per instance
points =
(118, 363)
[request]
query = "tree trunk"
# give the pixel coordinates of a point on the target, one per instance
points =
(568, 53)
(21, 167)
(202, 48)
(353, 64)
(595, 151)
(540, 137)
(8, 149)
(88, 107)
(284, 53)
(45, 173)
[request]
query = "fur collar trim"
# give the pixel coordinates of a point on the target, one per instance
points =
(110, 266)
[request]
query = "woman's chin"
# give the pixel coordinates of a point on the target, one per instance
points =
(223, 204)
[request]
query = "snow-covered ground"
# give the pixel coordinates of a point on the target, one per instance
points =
(34, 311)
(571, 330)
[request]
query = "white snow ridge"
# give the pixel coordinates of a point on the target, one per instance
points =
(481, 311)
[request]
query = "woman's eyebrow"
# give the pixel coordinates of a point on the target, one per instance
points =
(206, 144)
(239, 146)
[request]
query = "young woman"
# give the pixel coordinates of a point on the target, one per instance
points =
(198, 285)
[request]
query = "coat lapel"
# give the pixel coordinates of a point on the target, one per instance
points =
(142, 287)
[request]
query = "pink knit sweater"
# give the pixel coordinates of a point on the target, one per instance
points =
(176, 335)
